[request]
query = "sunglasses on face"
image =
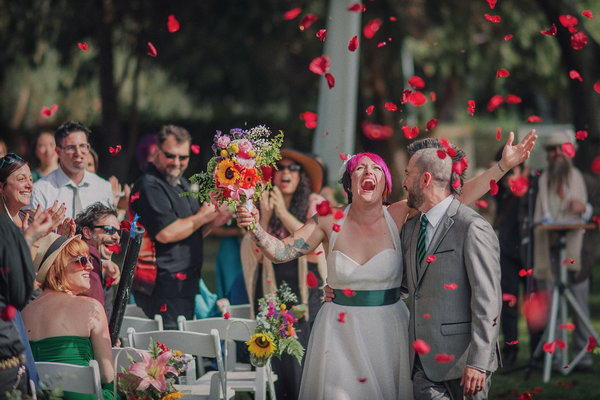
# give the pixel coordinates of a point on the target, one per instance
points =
(108, 229)
(172, 156)
(70, 149)
(10, 158)
(290, 167)
(83, 260)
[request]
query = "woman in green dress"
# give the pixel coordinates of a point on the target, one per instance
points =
(61, 325)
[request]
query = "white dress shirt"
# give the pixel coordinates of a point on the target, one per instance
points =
(58, 186)
(434, 216)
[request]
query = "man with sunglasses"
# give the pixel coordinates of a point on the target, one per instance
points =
(175, 225)
(99, 228)
(70, 183)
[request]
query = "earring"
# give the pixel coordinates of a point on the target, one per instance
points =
(61, 287)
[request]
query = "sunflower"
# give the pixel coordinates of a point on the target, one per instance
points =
(172, 396)
(227, 172)
(261, 345)
(249, 178)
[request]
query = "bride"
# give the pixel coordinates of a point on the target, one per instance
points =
(358, 346)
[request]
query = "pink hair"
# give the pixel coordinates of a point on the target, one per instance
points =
(353, 162)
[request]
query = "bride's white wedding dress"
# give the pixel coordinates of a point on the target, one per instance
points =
(360, 352)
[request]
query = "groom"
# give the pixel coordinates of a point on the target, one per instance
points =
(453, 278)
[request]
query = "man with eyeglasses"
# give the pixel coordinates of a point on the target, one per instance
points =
(176, 225)
(70, 183)
(99, 228)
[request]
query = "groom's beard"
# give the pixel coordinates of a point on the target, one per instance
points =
(415, 198)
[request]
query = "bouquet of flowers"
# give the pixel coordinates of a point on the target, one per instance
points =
(153, 377)
(241, 168)
(275, 333)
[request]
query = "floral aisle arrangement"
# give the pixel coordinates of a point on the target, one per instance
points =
(275, 333)
(241, 168)
(153, 378)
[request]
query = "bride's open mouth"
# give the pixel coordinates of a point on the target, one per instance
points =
(368, 184)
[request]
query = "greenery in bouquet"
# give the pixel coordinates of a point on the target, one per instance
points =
(153, 378)
(241, 168)
(275, 333)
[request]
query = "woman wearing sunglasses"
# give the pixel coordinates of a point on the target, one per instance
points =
(284, 209)
(61, 325)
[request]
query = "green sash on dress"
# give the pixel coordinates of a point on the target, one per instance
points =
(367, 297)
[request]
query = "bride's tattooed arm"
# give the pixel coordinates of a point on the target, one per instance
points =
(280, 251)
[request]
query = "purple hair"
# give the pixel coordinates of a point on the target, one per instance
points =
(351, 166)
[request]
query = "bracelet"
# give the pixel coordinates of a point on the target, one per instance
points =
(500, 167)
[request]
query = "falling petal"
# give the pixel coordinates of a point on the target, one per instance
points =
(512, 343)
(491, 3)
(391, 106)
(482, 204)
(362, 380)
(493, 187)
(291, 14)
(502, 73)
(495, 102)
(426, 316)
(525, 272)
(134, 197)
(172, 23)
(573, 74)
(581, 135)
(444, 358)
(307, 21)
(370, 109)
(519, 185)
(227, 315)
(342, 317)
(311, 280)
(376, 131)
(319, 65)
(498, 134)
(416, 82)
(163, 308)
(432, 96)
(568, 149)
(372, 27)
(318, 253)
(512, 99)
(578, 40)
(597, 87)
(8, 312)
(336, 227)
(421, 347)
(535, 310)
(339, 214)
(114, 150)
(551, 31)
(417, 98)
(410, 133)
(588, 14)
(508, 37)
(330, 80)
(195, 148)
(450, 286)
(381, 44)
(533, 118)
(431, 124)
(510, 298)
(322, 34)
(356, 7)
(492, 18)
(549, 347)
(151, 50)
(569, 326)
(430, 259)
(393, 19)
(181, 276)
(591, 343)
(353, 44)
(595, 167)
(349, 292)
(83, 46)
(324, 209)
(343, 157)
(471, 107)
(568, 20)
(310, 119)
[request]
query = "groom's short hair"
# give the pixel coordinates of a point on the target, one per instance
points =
(430, 143)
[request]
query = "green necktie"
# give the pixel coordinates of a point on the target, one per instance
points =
(421, 247)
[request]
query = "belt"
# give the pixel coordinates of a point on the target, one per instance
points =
(367, 297)
(12, 362)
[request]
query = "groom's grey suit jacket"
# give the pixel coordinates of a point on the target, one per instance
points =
(464, 321)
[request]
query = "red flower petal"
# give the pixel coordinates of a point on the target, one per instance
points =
(525, 396)
(493, 187)
(324, 208)
(533, 118)
(597, 86)
(375, 131)
(322, 34)
(114, 150)
(8, 312)
(549, 347)
(125, 225)
(513, 99)
(47, 112)
(310, 119)
(573, 74)
(511, 298)
(342, 317)
(391, 106)
(492, 18)
(525, 272)
(426, 316)
(151, 50)
(336, 227)
(535, 310)
(430, 259)
(456, 183)
(551, 31)
(417, 99)
(311, 280)
(319, 65)
(508, 37)
(410, 133)
(172, 24)
(591, 343)
(356, 7)
(568, 149)
(519, 185)
(319, 252)
(134, 197)
(560, 344)
(450, 286)
(502, 73)
(343, 157)
(362, 380)
(581, 135)
(421, 347)
(307, 21)
(416, 82)
(349, 292)
(568, 326)
(432, 123)
(568, 20)
(339, 214)
(495, 102)
(444, 358)
(588, 14)
(227, 315)
(578, 40)
(83, 46)
(330, 80)
(471, 107)
(482, 204)
(353, 44)
(491, 3)
(498, 134)
(370, 109)
(109, 282)
(432, 96)
(441, 154)
(181, 276)
(512, 343)
(195, 148)
(115, 248)
(291, 14)
(163, 308)
(596, 165)
(372, 27)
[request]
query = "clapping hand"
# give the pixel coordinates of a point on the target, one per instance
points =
(40, 224)
(513, 155)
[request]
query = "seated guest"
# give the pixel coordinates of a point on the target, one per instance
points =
(62, 326)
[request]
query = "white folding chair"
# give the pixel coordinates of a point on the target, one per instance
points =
(196, 344)
(120, 358)
(71, 378)
(133, 310)
(140, 325)
(240, 311)
(239, 376)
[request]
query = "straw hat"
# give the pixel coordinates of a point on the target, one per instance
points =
(558, 138)
(309, 165)
(50, 247)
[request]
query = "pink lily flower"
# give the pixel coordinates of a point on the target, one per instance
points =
(153, 372)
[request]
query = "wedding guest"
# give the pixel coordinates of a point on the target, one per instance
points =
(91, 161)
(46, 158)
(62, 326)
(3, 149)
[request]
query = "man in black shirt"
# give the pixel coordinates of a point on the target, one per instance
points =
(173, 224)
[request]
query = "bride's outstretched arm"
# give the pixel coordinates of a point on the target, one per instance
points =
(512, 155)
(300, 243)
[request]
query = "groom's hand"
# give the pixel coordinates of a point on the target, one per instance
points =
(328, 294)
(473, 381)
